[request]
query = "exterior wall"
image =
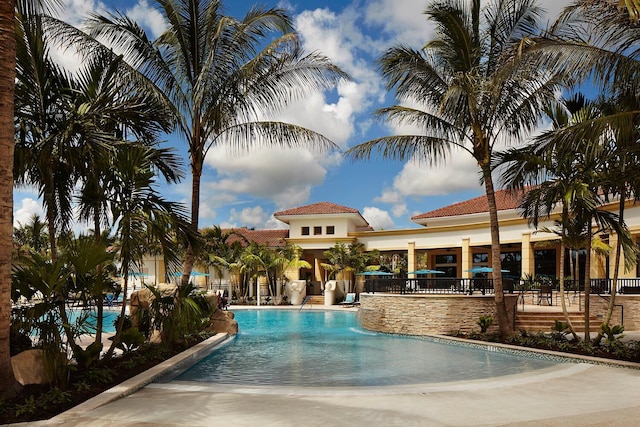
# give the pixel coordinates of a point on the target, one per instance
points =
(631, 304)
(427, 314)
(342, 227)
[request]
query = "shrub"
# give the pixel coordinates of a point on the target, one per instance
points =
(485, 322)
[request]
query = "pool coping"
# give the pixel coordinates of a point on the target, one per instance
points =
(130, 386)
(534, 352)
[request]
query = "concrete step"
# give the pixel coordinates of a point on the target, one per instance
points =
(544, 321)
(315, 300)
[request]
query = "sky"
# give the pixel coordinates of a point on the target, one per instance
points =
(245, 190)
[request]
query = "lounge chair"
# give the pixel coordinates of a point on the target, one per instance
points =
(349, 300)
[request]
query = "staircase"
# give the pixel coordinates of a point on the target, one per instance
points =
(314, 300)
(544, 321)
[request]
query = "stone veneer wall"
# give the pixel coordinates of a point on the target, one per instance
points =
(428, 314)
(631, 303)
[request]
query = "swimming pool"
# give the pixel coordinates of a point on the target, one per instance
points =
(108, 317)
(327, 349)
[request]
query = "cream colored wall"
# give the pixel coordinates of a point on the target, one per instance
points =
(342, 227)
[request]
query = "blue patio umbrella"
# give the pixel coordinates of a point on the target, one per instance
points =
(426, 271)
(193, 273)
(374, 273)
(138, 274)
(484, 270)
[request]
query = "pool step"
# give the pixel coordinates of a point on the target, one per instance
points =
(315, 300)
(544, 321)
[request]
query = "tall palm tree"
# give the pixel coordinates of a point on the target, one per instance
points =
(220, 75)
(8, 385)
(44, 152)
(465, 96)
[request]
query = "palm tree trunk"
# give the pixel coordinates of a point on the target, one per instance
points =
(564, 303)
(9, 387)
(616, 273)
(120, 324)
(196, 177)
(587, 285)
(506, 327)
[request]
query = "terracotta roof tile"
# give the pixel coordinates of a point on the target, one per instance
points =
(505, 200)
(272, 238)
(320, 208)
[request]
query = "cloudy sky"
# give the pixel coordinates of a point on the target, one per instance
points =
(245, 190)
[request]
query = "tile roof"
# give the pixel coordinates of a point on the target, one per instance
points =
(271, 238)
(505, 200)
(320, 208)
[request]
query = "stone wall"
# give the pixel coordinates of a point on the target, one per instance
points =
(631, 304)
(428, 314)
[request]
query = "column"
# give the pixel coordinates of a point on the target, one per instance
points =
(467, 258)
(528, 256)
(411, 258)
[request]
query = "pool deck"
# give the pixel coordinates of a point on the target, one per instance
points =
(577, 394)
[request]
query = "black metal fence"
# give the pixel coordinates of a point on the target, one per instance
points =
(459, 286)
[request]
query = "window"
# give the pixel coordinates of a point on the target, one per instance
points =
(545, 262)
(305, 231)
(331, 229)
(317, 231)
(447, 264)
(481, 258)
(512, 261)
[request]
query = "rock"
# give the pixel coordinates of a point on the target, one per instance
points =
(28, 367)
(223, 321)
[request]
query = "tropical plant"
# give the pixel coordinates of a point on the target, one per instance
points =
(220, 75)
(31, 236)
(485, 323)
(463, 95)
(139, 212)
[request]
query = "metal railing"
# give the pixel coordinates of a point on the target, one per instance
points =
(484, 286)
(444, 285)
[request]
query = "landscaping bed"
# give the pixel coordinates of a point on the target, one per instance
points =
(614, 348)
(40, 402)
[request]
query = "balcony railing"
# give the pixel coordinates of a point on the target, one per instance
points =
(460, 286)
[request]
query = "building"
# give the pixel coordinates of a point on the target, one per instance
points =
(454, 239)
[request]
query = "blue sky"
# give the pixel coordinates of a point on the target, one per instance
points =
(246, 190)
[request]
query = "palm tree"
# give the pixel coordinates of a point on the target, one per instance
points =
(9, 387)
(568, 170)
(220, 74)
(32, 235)
(465, 96)
(139, 211)
(44, 152)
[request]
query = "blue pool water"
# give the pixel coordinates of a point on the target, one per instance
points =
(326, 349)
(108, 317)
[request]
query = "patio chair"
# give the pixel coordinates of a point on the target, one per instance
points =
(349, 300)
(545, 293)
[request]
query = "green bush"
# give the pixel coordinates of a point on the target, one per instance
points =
(485, 322)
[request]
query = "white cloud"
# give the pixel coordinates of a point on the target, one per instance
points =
(341, 39)
(403, 21)
(148, 17)
(250, 217)
(377, 218)
(28, 208)
(284, 176)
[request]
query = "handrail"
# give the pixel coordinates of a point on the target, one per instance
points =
(304, 301)
(606, 298)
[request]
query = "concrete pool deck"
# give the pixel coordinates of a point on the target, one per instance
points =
(576, 394)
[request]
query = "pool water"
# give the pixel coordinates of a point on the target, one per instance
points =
(327, 349)
(108, 317)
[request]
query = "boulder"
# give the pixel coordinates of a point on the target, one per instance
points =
(28, 367)
(223, 321)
